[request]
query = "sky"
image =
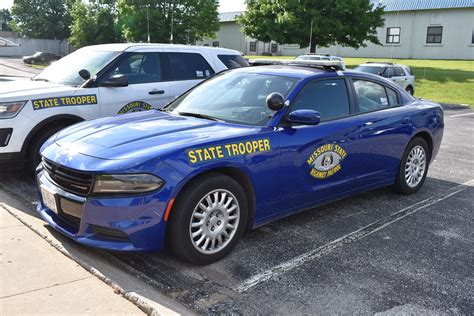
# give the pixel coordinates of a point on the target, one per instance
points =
(225, 5)
(6, 4)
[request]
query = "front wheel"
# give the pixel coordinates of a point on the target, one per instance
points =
(413, 167)
(33, 154)
(207, 220)
(410, 90)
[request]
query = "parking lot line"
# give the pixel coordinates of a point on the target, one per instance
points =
(465, 114)
(347, 239)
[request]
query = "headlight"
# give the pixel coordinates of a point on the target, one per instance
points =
(10, 109)
(127, 183)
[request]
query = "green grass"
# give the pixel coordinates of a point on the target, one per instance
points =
(445, 81)
(37, 66)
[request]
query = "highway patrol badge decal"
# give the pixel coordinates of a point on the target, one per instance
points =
(136, 106)
(325, 161)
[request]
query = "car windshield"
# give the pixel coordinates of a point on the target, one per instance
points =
(370, 69)
(66, 70)
(236, 97)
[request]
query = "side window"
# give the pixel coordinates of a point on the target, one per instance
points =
(189, 66)
(372, 96)
(388, 72)
(399, 72)
(328, 97)
(392, 97)
(233, 61)
(140, 68)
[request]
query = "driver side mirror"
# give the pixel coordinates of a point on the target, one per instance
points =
(304, 117)
(275, 101)
(115, 81)
(85, 74)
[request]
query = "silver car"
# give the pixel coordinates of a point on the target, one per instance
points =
(399, 74)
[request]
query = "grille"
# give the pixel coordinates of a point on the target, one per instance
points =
(109, 233)
(75, 182)
(71, 221)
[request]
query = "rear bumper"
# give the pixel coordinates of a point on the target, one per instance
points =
(120, 224)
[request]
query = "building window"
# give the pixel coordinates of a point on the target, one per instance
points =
(434, 34)
(472, 38)
(253, 46)
(215, 44)
(393, 35)
(274, 48)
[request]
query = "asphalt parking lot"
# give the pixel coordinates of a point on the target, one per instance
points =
(377, 252)
(14, 67)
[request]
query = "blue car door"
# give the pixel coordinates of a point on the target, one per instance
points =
(384, 131)
(319, 162)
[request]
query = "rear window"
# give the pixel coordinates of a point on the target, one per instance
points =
(370, 69)
(189, 66)
(399, 72)
(233, 61)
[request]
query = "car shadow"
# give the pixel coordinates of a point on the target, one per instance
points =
(258, 250)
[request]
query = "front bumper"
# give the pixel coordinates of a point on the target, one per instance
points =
(121, 224)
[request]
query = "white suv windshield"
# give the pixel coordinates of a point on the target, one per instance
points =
(66, 70)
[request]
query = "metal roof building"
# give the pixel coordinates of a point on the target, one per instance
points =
(420, 29)
(416, 5)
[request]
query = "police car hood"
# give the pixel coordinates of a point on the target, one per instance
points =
(28, 89)
(149, 134)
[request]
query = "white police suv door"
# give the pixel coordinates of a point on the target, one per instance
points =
(148, 84)
(188, 68)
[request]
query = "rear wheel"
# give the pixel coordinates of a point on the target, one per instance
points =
(413, 167)
(208, 219)
(409, 89)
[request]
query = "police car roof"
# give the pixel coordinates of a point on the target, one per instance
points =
(130, 47)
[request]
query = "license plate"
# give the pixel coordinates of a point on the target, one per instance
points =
(49, 200)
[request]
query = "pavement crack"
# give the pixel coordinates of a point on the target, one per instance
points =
(46, 287)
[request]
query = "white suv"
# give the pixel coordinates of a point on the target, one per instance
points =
(98, 81)
(399, 74)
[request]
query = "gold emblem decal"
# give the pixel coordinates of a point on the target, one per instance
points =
(325, 161)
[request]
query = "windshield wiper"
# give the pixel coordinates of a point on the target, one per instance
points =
(198, 115)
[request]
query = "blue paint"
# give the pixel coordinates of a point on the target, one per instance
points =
(369, 149)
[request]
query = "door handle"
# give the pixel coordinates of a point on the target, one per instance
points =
(156, 92)
(353, 135)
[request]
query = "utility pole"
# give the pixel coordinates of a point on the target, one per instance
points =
(311, 36)
(148, 24)
(172, 21)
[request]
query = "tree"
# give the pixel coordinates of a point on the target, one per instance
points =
(5, 20)
(176, 21)
(343, 22)
(42, 18)
(94, 23)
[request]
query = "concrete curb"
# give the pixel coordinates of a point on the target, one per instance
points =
(447, 106)
(133, 297)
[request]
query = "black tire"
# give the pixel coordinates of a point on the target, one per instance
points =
(33, 155)
(32, 62)
(401, 184)
(410, 90)
(179, 240)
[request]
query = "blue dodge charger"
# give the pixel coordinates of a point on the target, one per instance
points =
(244, 148)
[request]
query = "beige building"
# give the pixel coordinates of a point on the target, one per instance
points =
(419, 29)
